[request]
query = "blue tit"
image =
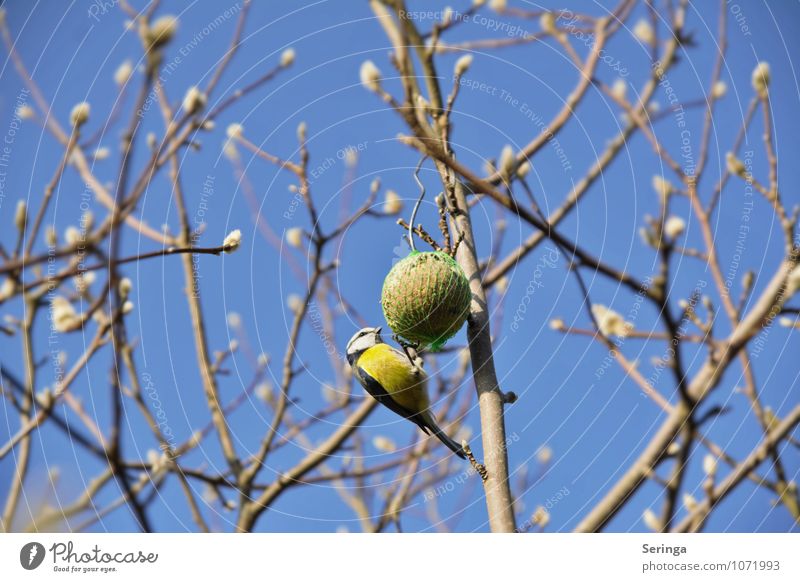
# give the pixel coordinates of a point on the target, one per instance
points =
(395, 381)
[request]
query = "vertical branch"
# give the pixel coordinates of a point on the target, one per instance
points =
(204, 361)
(115, 299)
(21, 462)
(499, 502)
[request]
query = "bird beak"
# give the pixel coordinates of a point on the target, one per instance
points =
(378, 330)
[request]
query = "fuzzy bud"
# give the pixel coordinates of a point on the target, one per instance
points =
(194, 100)
(161, 31)
(302, 131)
(619, 89)
(351, 157)
(735, 165)
(710, 465)
(761, 78)
(125, 287)
(80, 114)
(648, 237)
(7, 288)
(63, 314)
(21, 215)
(72, 236)
(384, 444)
(719, 89)
(747, 280)
(232, 241)
(123, 73)
(662, 187)
(294, 236)
(651, 520)
(25, 112)
(610, 322)
(502, 285)
(462, 65)
(507, 161)
(447, 15)
(392, 203)
(83, 281)
(674, 226)
(287, 57)
(370, 76)
(230, 151)
(548, 23)
(234, 130)
(541, 517)
(644, 32)
(544, 455)
(101, 154)
(234, 320)
(51, 236)
(295, 303)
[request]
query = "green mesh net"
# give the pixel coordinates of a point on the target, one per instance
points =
(426, 298)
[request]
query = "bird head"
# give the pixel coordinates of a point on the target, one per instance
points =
(362, 340)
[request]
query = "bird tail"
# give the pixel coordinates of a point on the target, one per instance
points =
(430, 422)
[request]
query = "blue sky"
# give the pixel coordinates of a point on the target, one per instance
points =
(595, 422)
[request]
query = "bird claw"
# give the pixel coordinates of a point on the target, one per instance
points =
(410, 351)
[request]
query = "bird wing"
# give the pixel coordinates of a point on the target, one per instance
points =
(390, 378)
(374, 388)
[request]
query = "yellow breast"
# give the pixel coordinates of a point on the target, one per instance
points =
(405, 384)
